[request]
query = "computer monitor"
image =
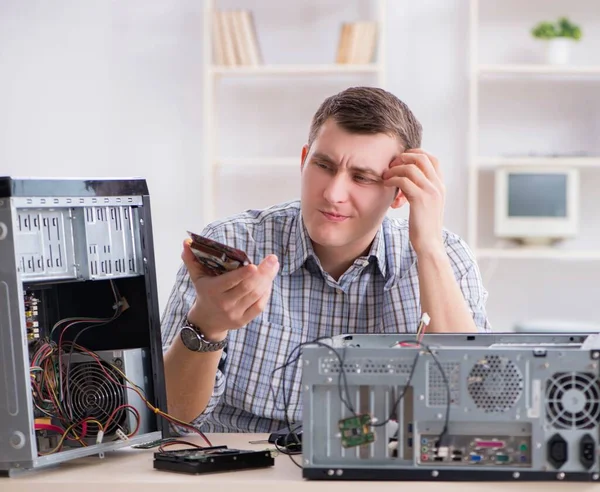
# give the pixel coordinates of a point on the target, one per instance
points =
(535, 205)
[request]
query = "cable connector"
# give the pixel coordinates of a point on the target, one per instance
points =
(99, 437)
(425, 319)
(443, 451)
(122, 305)
(121, 435)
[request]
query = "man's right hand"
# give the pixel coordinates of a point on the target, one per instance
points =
(231, 300)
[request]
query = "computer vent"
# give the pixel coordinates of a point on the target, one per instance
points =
(437, 392)
(367, 366)
(573, 400)
(495, 384)
(95, 391)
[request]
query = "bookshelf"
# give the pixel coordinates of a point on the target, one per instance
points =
(318, 69)
(571, 79)
(256, 69)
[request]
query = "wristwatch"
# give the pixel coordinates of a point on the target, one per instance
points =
(194, 340)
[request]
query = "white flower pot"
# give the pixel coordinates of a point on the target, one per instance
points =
(558, 51)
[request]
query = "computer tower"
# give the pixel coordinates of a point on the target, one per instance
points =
(483, 407)
(80, 345)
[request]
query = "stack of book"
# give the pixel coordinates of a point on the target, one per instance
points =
(234, 39)
(357, 44)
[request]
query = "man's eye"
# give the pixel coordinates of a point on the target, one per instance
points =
(322, 165)
(362, 179)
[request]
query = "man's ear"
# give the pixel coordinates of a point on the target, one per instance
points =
(303, 158)
(400, 199)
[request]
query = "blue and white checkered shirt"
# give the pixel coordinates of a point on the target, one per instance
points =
(379, 293)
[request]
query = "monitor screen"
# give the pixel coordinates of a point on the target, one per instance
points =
(537, 195)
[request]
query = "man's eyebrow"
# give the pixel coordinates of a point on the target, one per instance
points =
(319, 156)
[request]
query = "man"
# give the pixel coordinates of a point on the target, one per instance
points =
(332, 263)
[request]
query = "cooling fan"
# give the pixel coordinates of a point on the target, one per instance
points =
(573, 400)
(95, 391)
(495, 384)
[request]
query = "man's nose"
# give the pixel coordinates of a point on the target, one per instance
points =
(337, 189)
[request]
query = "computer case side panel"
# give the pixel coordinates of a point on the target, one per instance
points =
(147, 243)
(17, 439)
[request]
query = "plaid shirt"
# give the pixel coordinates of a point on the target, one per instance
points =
(379, 293)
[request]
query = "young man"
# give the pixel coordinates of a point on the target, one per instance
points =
(331, 263)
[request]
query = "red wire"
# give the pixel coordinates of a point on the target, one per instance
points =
(164, 415)
(49, 427)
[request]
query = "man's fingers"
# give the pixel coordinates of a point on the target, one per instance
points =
(195, 268)
(269, 266)
(433, 159)
(410, 171)
(245, 302)
(255, 309)
(230, 280)
(423, 163)
(408, 188)
(262, 278)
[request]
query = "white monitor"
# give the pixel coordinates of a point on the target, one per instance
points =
(535, 205)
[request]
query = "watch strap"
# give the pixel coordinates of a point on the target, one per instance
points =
(206, 345)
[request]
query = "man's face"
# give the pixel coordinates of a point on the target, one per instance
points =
(343, 197)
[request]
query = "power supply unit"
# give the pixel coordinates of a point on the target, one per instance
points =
(452, 407)
(80, 345)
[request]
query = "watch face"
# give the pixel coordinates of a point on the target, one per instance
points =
(190, 338)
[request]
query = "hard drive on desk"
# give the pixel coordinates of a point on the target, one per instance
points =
(215, 459)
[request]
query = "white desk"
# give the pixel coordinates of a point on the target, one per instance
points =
(131, 470)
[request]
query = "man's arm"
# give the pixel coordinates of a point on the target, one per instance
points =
(454, 305)
(417, 174)
(190, 380)
(194, 381)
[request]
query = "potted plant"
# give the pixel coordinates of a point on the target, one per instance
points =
(559, 36)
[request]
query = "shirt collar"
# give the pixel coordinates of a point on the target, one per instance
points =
(377, 250)
(300, 248)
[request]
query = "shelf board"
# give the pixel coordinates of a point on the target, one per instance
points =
(538, 253)
(317, 69)
(539, 69)
(588, 161)
(258, 161)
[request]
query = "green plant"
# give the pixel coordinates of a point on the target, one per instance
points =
(563, 28)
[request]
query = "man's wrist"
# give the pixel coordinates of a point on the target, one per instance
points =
(213, 337)
(210, 335)
(432, 253)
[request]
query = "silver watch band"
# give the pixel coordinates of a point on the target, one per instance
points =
(200, 343)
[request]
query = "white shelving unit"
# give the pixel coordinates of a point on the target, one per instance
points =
(478, 163)
(213, 74)
(515, 69)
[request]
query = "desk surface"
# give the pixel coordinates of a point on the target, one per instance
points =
(131, 470)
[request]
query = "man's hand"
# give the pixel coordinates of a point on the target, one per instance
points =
(417, 175)
(229, 301)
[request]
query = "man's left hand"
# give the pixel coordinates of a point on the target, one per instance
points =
(417, 174)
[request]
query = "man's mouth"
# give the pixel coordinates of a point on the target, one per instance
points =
(334, 217)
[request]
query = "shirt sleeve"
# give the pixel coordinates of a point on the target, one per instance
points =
(180, 301)
(469, 278)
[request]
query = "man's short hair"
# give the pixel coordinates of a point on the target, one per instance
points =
(369, 111)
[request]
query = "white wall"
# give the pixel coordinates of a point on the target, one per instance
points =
(100, 88)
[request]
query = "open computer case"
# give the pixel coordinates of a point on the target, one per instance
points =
(80, 345)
